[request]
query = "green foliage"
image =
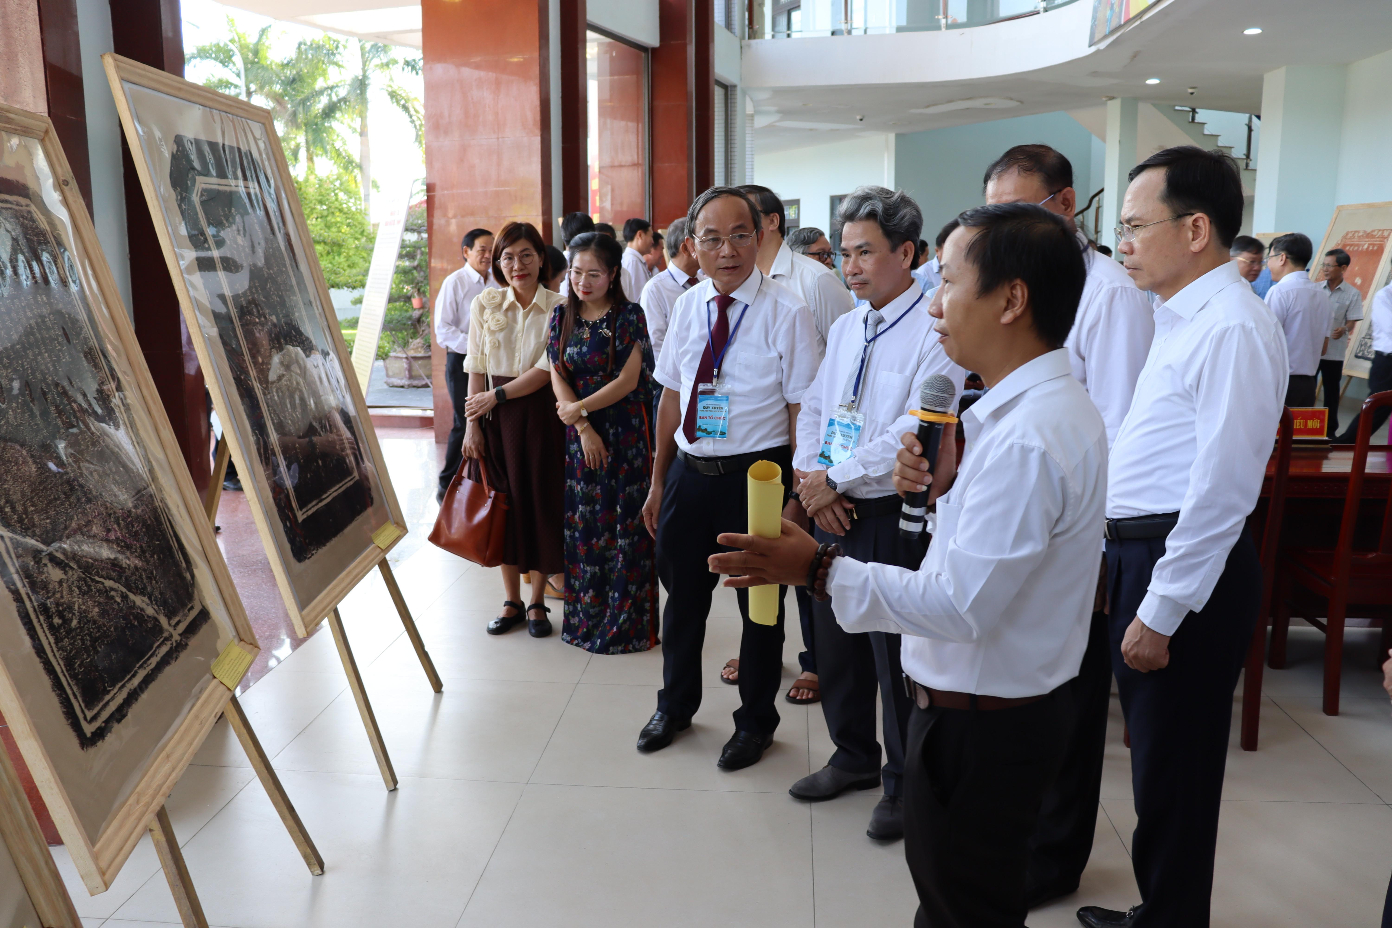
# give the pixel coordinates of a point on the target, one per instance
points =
(338, 226)
(411, 279)
(349, 330)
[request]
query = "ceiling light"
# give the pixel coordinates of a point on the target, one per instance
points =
(1253, 30)
(1152, 80)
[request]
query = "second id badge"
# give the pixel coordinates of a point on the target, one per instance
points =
(712, 410)
(842, 436)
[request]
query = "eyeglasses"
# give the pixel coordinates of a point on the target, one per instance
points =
(1125, 233)
(1049, 197)
(819, 255)
(717, 242)
(1251, 260)
(593, 277)
(524, 259)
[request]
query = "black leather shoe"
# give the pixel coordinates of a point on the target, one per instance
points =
(1094, 916)
(538, 628)
(887, 821)
(659, 732)
(743, 750)
(506, 623)
(830, 782)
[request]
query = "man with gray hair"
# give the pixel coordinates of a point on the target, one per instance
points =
(848, 432)
(683, 272)
(812, 242)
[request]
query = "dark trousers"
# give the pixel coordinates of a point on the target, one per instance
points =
(457, 383)
(1300, 391)
(973, 782)
(1179, 719)
(695, 509)
(853, 666)
(1379, 381)
(1387, 908)
(1331, 375)
(807, 657)
(1062, 840)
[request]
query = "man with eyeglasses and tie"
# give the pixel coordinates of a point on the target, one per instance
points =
(1184, 579)
(1107, 348)
(739, 352)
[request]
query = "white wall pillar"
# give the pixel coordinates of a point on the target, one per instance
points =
(1123, 119)
(1297, 169)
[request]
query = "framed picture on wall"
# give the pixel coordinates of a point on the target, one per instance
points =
(120, 631)
(1364, 231)
(235, 240)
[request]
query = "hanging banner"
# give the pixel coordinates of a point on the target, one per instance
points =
(378, 288)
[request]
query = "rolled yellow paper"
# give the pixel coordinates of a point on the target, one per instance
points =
(766, 521)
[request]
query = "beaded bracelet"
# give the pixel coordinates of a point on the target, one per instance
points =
(811, 580)
(823, 565)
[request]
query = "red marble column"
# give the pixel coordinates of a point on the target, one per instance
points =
(683, 107)
(622, 141)
(63, 75)
(575, 177)
(487, 131)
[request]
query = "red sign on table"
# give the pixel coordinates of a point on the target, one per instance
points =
(1311, 423)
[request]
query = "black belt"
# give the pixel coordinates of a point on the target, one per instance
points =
(925, 696)
(1138, 527)
(734, 464)
(873, 508)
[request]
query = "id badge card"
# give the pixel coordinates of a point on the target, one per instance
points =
(712, 410)
(842, 436)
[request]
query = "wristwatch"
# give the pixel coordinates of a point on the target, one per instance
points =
(831, 484)
(583, 411)
(500, 395)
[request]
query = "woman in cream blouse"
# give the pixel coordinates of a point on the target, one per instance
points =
(513, 430)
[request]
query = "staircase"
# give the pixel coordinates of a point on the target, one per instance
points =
(1183, 117)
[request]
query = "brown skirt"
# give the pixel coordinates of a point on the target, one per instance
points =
(524, 449)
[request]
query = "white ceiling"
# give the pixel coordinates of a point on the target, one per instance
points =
(816, 90)
(393, 22)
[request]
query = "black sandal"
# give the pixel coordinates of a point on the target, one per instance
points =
(539, 628)
(506, 623)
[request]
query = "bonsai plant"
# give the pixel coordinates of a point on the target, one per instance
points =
(406, 330)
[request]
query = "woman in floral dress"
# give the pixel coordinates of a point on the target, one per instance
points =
(601, 372)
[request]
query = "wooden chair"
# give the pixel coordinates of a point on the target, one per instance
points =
(1271, 538)
(1343, 578)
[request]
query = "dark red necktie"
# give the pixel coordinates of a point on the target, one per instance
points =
(690, 282)
(719, 335)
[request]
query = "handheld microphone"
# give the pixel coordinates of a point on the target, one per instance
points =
(934, 401)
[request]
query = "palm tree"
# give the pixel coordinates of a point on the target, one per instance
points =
(377, 62)
(251, 71)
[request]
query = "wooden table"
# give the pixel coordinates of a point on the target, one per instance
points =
(1314, 508)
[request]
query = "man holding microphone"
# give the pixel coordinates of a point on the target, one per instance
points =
(995, 619)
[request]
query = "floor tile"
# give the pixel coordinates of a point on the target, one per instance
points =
(589, 857)
(1304, 672)
(1359, 737)
(1288, 765)
(467, 652)
(853, 874)
(278, 707)
(1108, 881)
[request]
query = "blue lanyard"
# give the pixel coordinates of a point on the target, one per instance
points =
(710, 336)
(865, 352)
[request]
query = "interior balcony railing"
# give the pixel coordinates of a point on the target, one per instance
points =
(787, 19)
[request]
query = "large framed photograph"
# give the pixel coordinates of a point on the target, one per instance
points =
(234, 236)
(1363, 230)
(117, 609)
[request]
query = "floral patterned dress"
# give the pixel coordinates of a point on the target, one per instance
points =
(611, 569)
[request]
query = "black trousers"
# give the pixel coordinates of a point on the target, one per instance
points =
(1379, 381)
(973, 782)
(807, 657)
(1331, 375)
(1062, 840)
(1179, 719)
(1300, 391)
(853, 666)
(695, 509)
(457, 383)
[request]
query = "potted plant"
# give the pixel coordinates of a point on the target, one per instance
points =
(405, 345)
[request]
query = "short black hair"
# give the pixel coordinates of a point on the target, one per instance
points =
(768, 202)
(472, 236)
(944, 232)
(1053, 168)
(1246, 245)
(1025, 242)
(604, 228)
(1198, 181)
(715, 193)
(575, 224)
(658, 237)
(633, 227)
(1104, 250)
(1341, 257)
(1294, 245)
(555, 263)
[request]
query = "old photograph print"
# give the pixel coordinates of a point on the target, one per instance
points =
(286, 374)
(99, 576)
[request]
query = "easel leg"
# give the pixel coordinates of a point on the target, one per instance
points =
(355, 683)
(411, 631)
(210, 505)
(266, 773)
(176, 871)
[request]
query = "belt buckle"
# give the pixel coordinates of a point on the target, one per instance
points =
(1108, 531)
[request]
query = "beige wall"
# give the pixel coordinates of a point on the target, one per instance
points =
(21, 48)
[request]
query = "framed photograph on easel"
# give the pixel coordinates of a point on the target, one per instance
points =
(121, 635)
(1364, 230)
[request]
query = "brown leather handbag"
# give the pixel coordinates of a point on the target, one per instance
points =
(473, 519)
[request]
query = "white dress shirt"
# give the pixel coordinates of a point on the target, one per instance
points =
(1303, 309)
(1347, 308)
(769, 362)
(635, 273)
(1002, 602)
(817, 285)
(452, 304)
(1111, 337)
(899, 361)
(1199, 434)
(929, 274)
(1382, 320)
(659, 295)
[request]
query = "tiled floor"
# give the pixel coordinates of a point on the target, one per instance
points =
(523, 803)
